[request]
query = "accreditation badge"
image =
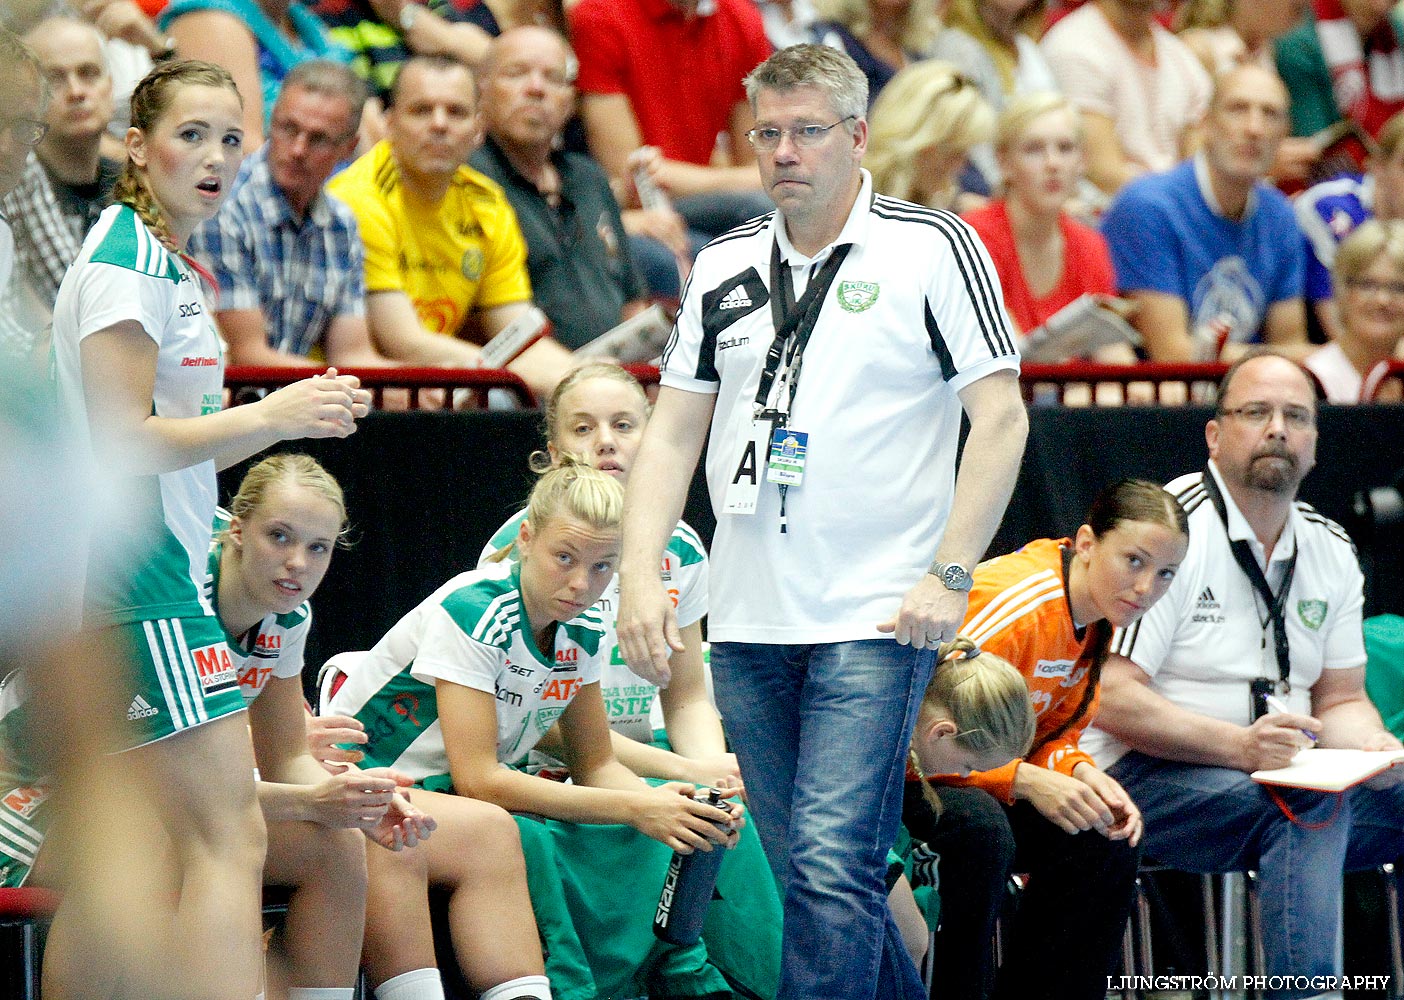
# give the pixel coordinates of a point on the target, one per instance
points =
(743, 488)
(788, 448)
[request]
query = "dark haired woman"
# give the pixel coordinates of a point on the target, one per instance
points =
(1049, 609)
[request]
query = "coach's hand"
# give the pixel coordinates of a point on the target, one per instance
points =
(930, 615)
(647, 628)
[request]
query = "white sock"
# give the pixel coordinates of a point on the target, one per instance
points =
(320, 993)
(525, 988)
(420, 984)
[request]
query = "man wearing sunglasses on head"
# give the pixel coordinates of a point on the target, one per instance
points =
(831, 347)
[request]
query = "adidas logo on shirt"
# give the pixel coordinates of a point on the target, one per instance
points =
(1207, 608)
(140, 708)
(735, 299)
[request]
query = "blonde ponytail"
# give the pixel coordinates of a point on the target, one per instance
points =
(987, 700)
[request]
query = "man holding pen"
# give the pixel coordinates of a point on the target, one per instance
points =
(1254, 653)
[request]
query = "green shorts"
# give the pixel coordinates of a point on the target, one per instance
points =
(24, 821)
(182, 676)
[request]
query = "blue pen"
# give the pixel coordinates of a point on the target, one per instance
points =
(1277, 705)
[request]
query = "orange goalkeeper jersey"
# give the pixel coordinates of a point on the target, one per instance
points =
(1019, 610)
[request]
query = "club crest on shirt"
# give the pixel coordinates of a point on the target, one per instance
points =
(1312, 613)
(857, 296)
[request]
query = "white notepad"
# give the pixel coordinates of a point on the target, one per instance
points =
(1329, 770)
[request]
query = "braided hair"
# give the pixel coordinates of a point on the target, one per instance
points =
(152, 99)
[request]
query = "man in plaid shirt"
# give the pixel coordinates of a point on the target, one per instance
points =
(67, 182)
(288, 258)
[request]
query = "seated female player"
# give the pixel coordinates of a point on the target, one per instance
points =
(1049, 609)
(474, 676)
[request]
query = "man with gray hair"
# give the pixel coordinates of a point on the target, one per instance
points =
(831, 347)
(288, 258)
(23, 94)
(67, 182)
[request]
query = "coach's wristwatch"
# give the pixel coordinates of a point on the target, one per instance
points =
(953, 576)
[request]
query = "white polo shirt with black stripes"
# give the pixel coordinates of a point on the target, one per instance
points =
(1203, 643)
(913, 316)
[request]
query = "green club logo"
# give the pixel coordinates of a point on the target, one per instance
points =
(857, 296)
(1312, 613)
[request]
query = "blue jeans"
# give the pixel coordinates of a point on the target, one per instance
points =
(1213, 819)
(822, 732)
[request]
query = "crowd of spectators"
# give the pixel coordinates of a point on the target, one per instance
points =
(418, 178)
(600, 160)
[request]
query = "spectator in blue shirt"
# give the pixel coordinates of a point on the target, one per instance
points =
(1209, 251)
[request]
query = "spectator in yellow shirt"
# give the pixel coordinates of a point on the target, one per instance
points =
(445, 260)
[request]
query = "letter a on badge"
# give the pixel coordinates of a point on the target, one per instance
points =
(744, 489)
(747, 468)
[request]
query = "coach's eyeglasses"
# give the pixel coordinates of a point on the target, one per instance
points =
(803, 136)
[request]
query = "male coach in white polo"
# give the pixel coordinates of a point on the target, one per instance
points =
(891, 322)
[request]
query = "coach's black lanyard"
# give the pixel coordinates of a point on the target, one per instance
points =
(1276, 603)
(791, 318)
(797, 320)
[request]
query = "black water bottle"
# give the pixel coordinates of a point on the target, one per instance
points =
(687, 889)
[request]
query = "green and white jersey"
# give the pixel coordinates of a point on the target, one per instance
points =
(628, 697)
(124, 275)
(272, 648)
(472, 631)
(23, 819)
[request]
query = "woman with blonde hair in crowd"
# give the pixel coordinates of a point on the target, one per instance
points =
(882, 36)
(140, 379)
(1046, 259)
(1049, 610)
(1368, 276)
(920, 133)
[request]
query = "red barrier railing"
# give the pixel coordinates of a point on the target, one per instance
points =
(1074, 383)
(1089, 383)
(407, 388)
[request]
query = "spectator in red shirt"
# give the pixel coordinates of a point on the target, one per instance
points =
(667, 74)
(1045, 258)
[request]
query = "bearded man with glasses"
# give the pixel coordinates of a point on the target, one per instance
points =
(1264, 615)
